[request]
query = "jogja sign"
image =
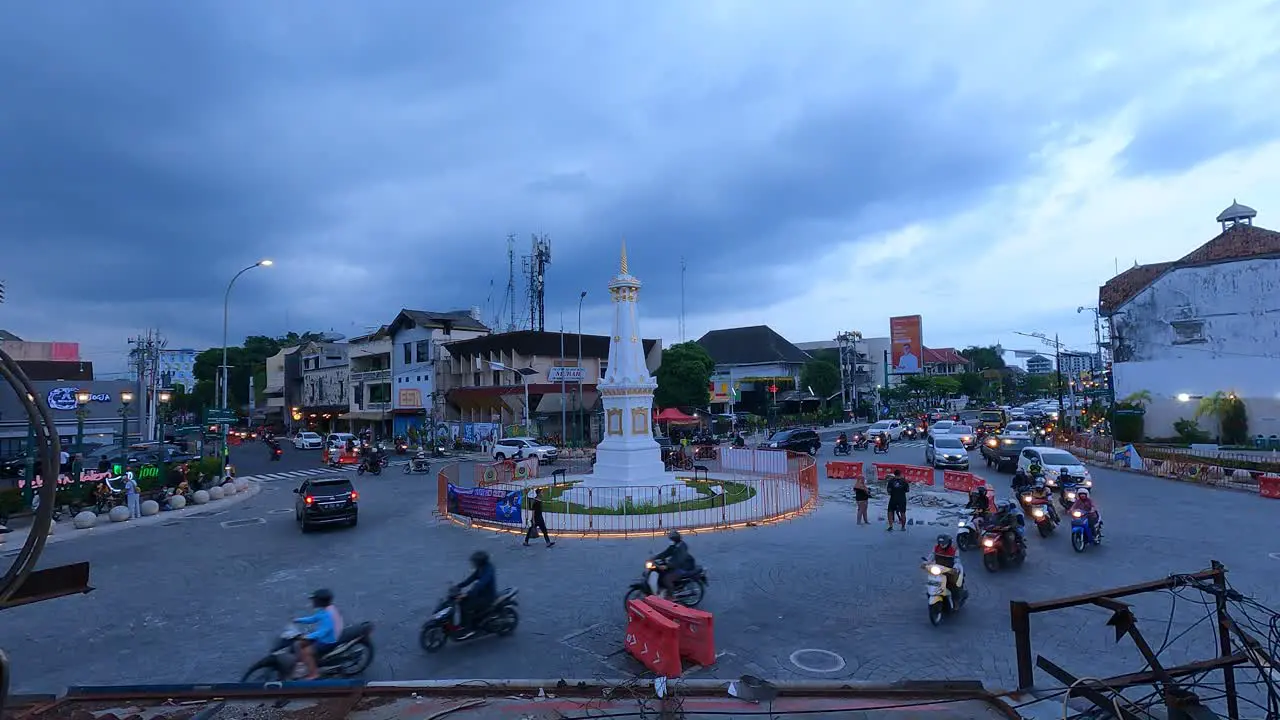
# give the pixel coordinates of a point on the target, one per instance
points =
(64, 398)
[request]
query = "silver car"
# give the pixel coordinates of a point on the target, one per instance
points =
(946, 451)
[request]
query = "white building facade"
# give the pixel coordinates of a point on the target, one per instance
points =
(1209, 322)
(324, 383)
(369, 375)
(416, 337)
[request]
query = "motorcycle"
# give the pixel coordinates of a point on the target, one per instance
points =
(859, 441)
(690, 587)
(943, 599)
(370, 465)
(276, 452)
(910, 433)
(842, 448)
(1067, 494)
(1046, 518)
(350, 657)
(445, 624)
(969, 535)
(402, 447)
(882, 444)
(1082, 535)
(419, 463)
(994, 553)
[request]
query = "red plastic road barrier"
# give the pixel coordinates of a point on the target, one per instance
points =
(912, 473)
(697, 630)
(653, 639)
(1269, 486)
(961, 481)
(837, 470)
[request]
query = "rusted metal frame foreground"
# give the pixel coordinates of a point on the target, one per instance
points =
(354, 692)
(1176, 698)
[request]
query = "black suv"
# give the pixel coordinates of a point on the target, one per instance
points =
(326, 501)
(806, 441)
(1002, 452)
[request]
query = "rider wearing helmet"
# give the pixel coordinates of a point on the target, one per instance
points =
(1035, 469)
(478, 590)
(979, 502)
(1021, 480)
(678, 562)
(328, 628)
(1084, 505)
(944, 552)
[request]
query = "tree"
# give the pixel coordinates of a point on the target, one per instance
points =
(944, 386)
(831, 355)
(684, 378)
(1228, 413)
(983, 357)
(1139, 399)
(971, 384)
(822, 376)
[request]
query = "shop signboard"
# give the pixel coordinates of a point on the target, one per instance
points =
(566, 374)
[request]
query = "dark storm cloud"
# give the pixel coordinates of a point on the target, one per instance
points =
(1176, 142)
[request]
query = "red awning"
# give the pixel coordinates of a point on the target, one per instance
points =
(674, 415)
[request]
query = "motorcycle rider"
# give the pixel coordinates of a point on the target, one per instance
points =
(678, 562)
(328, 628)
(979, 503)
(842, 441)
(479, 590)
(1021, 480)
(1008, 522)
(1084, 505)
(274, 447)
(1035, 469)
(882, 442)
(944, 554)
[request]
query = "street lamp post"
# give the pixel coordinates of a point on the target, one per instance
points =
(162, 411)
(582, 429)
(226, 310)
(82, 400)
(126, 398)
(524, 374)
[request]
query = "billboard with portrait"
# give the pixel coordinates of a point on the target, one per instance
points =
(487, 504)
(906, 345)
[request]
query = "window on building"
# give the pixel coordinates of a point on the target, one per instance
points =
(1186, 332)
(497, 377)
(475, 380)
(408, 353)
(424, 351)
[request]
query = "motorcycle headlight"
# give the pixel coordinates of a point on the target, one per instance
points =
(988, 542)
(1026, 498)
(935, 570)
(962, 524)
(1071, 496)
(1077, 514)
(650, 565)
(1038, 513)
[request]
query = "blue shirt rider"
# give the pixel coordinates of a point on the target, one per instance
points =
(328, 628)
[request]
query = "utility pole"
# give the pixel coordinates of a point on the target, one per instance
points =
(564, 407)
(1057, 361)
(683, 268)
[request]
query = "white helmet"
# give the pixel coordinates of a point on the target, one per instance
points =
(1082, 493)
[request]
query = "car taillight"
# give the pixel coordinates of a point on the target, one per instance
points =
(309, 499)
(354, 495)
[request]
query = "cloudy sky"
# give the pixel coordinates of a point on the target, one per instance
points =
(820, 166)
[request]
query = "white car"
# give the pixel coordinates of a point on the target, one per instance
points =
(308, 441)
(941, 427)
(1053, 460)
(965, 435)
(525, 448)
(892, 428)
(1017, 428)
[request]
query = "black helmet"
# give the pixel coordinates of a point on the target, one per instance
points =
(479, 558)
(944, 541)
(982, 490)
(322, 597)
(674, 536)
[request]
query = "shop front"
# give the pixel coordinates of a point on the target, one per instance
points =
(100, 420)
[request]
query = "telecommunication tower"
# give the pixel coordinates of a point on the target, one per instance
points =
(535, 272)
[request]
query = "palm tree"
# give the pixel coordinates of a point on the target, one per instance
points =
(1217, 406)
(1140, 398)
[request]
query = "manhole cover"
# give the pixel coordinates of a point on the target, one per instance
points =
(817, 661)
(245, 522)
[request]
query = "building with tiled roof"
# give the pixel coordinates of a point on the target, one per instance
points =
(1204, 323)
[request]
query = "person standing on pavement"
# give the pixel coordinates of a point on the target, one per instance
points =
(897, 488)
(538, 523)
(860, 496)
(132, 496)
(64, 463)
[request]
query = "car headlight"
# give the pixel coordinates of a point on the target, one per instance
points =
(1038, 513)
(1088, 483)
(992, 442)
(988, 542)
(935, 570)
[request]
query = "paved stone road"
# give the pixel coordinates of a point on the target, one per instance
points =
(201, 599)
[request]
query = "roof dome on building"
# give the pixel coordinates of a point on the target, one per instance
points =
(1236, 213)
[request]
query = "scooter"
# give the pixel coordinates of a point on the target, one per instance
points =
(859, 441)
(842, 448)
(370, 465)
(690, 589)
(276, 452)
(994, 553)
(445, 623)
(1082, 535)
(350, 657)
(419, 463)
(882, 445)
(1045, 517)
(943, 600)
(969, 534)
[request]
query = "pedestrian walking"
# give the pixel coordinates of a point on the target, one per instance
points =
(538, 522)
(860, 496)
(897, 488)
(131, 496)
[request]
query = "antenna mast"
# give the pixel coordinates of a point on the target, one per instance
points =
(509, 302)
(683, 267)
(535, 268)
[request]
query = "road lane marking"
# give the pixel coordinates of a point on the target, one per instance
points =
(228, 524)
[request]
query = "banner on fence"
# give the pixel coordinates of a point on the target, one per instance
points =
(487, 504)
(1269, 486)
(1128, 456)
(839, 470)
(911, 473)
(88, 476)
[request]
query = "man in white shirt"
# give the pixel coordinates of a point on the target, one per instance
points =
(64, 463)
(908, 362)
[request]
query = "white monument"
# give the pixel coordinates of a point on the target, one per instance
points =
(628, 455)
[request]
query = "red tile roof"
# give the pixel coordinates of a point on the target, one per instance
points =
(1237, 242)
(943, 356)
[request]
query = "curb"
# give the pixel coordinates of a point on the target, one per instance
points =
(66, 531)
(1185, 481)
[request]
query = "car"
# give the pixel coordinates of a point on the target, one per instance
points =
(1053, 460)
(1001, 451)
(891, 428)
(1017, 428)
(526, 448)
(967, 436)
(340, 439)
(326, 501)
(795, 440)
(946, 451)
(941, 427)
(308, 441)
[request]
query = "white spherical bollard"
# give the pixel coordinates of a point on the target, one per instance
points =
(149, 508)
(85, 519)
(229, 489)
(200, 497)
(177, 502)
(119, 513)
(215, 492)
(242, 485)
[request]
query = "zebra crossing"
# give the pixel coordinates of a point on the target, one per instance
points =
(309, 472)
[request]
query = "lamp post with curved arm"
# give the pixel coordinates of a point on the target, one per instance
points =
(582, 430)
(226, 310)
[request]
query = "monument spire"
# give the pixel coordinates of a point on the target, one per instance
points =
(623, 265)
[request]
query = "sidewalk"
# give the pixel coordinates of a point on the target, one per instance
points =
(66, 530)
